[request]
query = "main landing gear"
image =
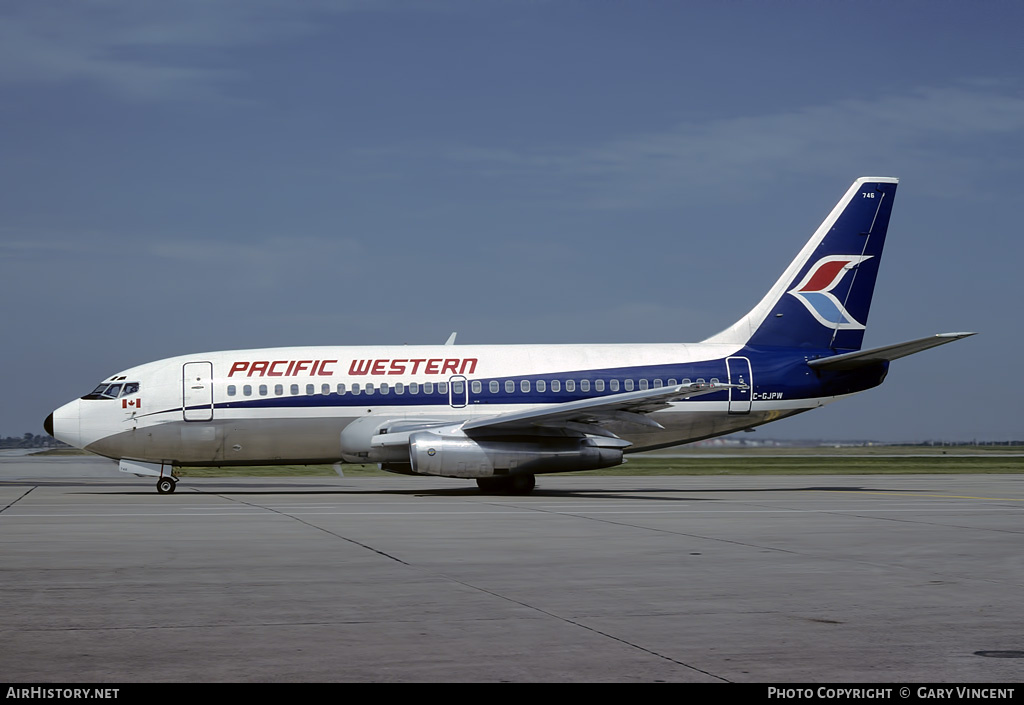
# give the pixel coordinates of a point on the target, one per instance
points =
(520, 484)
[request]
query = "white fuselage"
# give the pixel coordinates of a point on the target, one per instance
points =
(291, 404)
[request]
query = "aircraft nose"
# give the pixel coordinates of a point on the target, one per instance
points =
(64, 424)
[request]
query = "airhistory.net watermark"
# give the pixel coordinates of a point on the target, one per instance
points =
(38, 692)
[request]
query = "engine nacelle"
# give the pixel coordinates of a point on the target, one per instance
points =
(460, 456)
(368, 439)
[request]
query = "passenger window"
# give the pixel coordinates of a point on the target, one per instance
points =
(524, 386)
(247, 390)
(310, 389)
(542, 386)
(556, 385)
(598, 385)
(628, 385)
(510, 386)
(613, 385)
(263, 390)
(231, 390)
(584, 385)
(355, 389)
(476, 386)
(369, 388)
(428, 387)
(278, 389)
(341, 389)
(399, 388)
(414, 387)
(384, 388)
(442, 387)
(325, 389)
(458, 388)
(570, 385)
(643, 384)
(294, 389)
(657, 383)
(494, 386)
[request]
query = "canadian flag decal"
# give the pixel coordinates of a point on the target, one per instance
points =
(131, 403)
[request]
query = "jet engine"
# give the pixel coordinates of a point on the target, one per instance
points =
(432, 453)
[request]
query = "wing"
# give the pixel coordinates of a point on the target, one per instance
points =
(629, 407)
(585, 416)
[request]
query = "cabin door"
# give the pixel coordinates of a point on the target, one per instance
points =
(197, 391)
(739, 373)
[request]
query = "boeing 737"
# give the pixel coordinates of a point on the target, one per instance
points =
(502, 414)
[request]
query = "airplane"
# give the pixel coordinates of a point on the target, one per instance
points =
(503, 414)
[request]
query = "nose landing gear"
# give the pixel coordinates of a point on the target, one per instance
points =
(166, 482)
(166, 485)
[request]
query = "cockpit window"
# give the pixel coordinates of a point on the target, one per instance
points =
(104, 391)
(113, 391)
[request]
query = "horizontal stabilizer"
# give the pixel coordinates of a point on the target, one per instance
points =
(863, 358)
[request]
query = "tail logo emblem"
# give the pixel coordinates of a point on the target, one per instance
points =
(815, 291)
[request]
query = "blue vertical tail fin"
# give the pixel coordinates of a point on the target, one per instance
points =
(823, 298)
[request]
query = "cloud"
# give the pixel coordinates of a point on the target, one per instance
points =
(144, 49)
(695, 160)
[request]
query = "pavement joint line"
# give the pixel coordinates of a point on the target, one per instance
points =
(17, 499)
(924, 496)
(317, 528)
(483, 590)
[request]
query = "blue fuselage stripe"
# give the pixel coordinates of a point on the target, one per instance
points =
(776, 374)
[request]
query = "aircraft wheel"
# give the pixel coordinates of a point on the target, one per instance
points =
(521, 484)
(513, 484)
(165, 485)
(491, 485)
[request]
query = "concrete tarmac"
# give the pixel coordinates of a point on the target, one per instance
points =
(781, 579)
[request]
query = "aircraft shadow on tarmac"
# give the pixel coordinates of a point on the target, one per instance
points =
(638, 493)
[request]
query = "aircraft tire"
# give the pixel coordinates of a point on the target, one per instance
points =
(491, 485)
(521, 484)
(512, 485)
(166, 485)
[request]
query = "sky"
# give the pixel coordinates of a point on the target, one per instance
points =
(201, 175)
